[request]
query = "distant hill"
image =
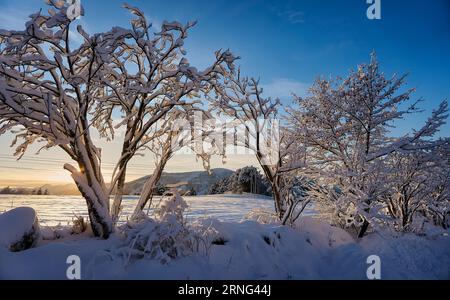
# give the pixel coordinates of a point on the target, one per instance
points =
(200, 181)
(61, 189)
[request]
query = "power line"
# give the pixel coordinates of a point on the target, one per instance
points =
(21, 168)
(58, 166)
(55, 170)
(38, 160)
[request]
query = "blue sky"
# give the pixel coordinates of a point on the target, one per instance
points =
(289, 43)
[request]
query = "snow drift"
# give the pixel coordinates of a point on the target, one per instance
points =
(246, 250)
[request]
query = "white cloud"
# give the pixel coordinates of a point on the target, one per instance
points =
(294, 16)
(283, 88)
(291, 14)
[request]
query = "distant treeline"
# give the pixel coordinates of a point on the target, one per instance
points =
(23, 191)
(245, 180)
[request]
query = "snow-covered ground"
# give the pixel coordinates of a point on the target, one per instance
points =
(246, 250)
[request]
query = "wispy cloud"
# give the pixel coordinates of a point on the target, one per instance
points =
(283, 88)
(288, 11)
(293, 16)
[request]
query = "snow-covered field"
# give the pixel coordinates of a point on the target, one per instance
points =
(55, 210)
(252, 251)
(248, 250)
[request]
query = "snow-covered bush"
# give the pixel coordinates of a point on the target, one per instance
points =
(19, 229)
(171, 207)
(52, 233)
(167, 237)
(79, 225)
(419, 186)
(262, 216)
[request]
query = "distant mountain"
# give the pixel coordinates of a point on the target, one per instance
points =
(200, 181)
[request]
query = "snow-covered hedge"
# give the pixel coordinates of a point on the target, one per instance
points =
(19, 229)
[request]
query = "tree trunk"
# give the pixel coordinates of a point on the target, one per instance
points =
(278, 201)
(123, 163)
(97, 200)
(363, 229)
(118, 196)
(149, 187)
(286, 215)
(274, 180)
(89, 179)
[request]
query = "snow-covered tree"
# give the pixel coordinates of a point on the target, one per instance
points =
(241, 99)
(175, 132)
(419, 184)
(219, 187)
(58, 93)
(45, 96)
(246, 180)
(439, 208)
(295, 194)
(345, 126)
(146, 77)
